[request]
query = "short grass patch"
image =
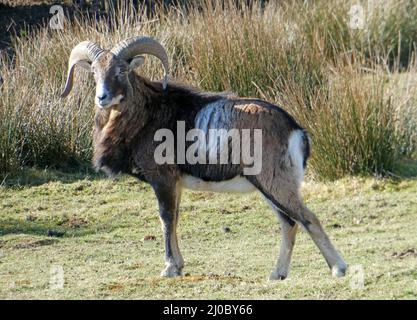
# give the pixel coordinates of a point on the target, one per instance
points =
(106, 237)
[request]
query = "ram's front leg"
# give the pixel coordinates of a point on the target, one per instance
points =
(169, 200)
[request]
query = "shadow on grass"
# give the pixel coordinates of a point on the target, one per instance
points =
(407, 168)
(29, 177)
(49, 229)
(17, 19)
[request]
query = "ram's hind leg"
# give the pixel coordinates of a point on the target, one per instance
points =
(284, 194)
(294, 208)
(320, 238)
(288, 231)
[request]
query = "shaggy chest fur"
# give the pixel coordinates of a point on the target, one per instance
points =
(111, 151)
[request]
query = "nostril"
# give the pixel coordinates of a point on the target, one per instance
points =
(102, 97)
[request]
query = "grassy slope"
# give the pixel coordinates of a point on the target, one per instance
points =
(104, 255)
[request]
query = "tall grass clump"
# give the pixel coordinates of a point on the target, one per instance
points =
(343, 85)
(353, 121)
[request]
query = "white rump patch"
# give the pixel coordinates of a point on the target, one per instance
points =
(236, 185)
(295, 153)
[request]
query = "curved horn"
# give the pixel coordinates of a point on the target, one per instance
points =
(132, 47)
(85, 51)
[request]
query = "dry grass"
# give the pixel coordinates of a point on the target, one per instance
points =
(303, 56)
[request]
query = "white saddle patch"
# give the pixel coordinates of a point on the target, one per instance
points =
(236, 185)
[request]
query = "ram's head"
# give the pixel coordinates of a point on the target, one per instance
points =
(111, 68)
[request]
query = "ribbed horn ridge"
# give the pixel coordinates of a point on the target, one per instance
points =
(132, 47)
(84, 51)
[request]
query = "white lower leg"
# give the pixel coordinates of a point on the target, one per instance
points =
(335, 261)
(175, 262)
(287, 243)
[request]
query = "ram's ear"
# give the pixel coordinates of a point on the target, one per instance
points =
(136, 62)
(84, 64)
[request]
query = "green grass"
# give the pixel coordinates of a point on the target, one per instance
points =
(104, 255)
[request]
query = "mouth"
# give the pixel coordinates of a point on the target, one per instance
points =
(110, 102)
(103, 105)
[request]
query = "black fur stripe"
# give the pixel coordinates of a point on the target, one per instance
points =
(306, 147)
